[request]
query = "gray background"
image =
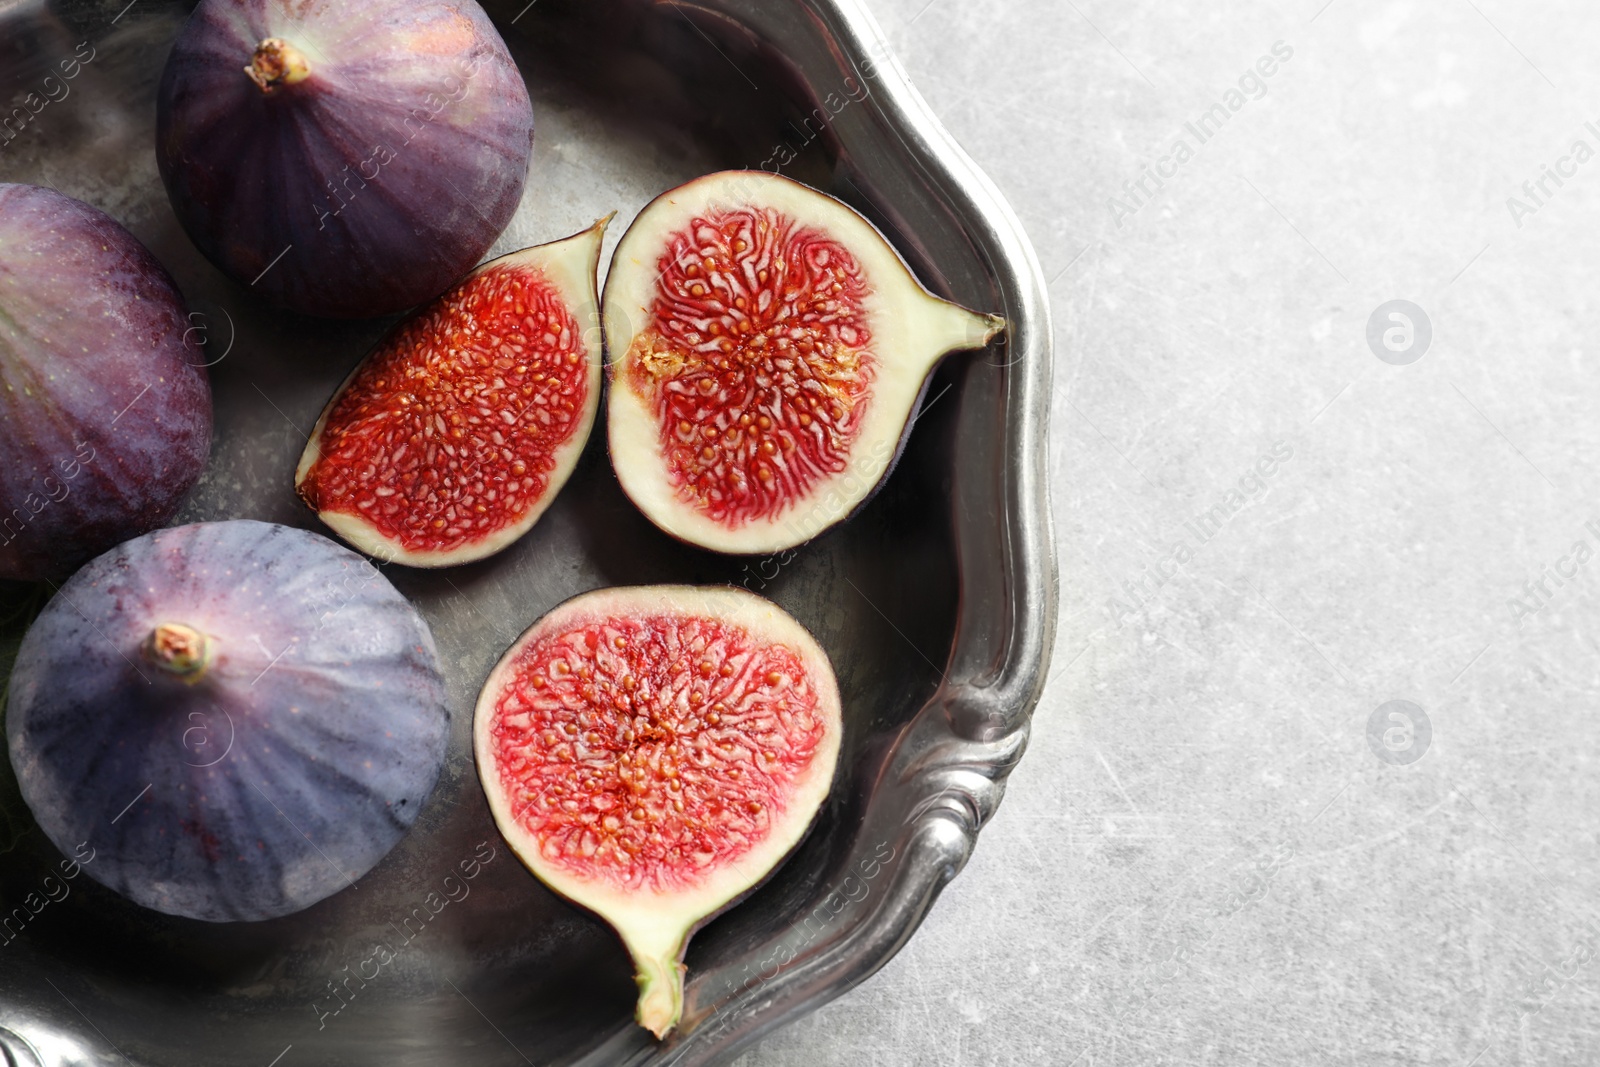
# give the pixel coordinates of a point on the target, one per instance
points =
(1202, 858)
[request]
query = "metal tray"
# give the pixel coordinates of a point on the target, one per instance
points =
(936, 602)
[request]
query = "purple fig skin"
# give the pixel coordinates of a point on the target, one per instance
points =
(105, 408)
(258, 767)
(368, 181)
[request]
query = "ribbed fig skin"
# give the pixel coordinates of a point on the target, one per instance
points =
(294, 763)
(105, 409)
(366, 188)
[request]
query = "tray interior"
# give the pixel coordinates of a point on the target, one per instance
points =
(630, 99)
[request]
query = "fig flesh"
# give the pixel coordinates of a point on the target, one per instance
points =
(766, 347)
(105, 410)
(343, 160)
(653, 753)
(453, 436)
(238, 718)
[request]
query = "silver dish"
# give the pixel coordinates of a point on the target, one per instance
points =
(936, 602)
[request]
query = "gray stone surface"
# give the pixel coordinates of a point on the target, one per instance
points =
(1203, 858)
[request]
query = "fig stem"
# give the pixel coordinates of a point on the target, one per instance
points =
(180, 650)
(658, 960)
(277, 62)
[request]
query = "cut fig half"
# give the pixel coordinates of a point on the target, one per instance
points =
(455, 433)
(653, 753)
(766, 348)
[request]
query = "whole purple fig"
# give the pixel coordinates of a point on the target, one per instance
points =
(344, 160)
(236, 718)
(105, 410)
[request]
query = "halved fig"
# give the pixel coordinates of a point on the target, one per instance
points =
(451, 438)
(653, 753)
(766, 349)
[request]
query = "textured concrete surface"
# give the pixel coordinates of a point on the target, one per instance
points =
(1207, 856)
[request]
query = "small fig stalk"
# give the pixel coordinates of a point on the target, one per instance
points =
(181, 651)
(660, 974)
(277, 62)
